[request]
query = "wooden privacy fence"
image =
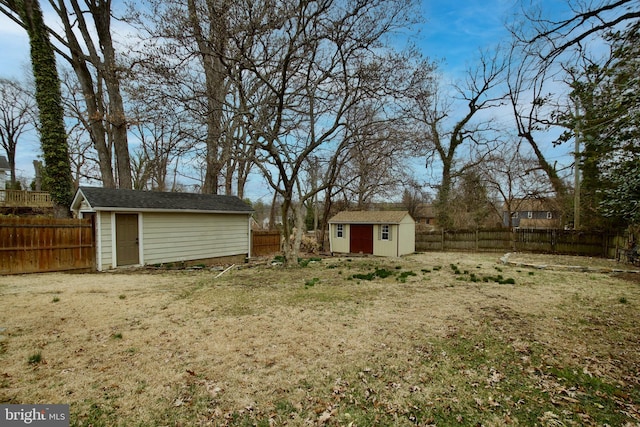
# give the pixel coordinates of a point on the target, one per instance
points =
(265, 242)
(30, 245)
(569, 242)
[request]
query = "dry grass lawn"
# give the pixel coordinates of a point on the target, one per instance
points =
(430, 339)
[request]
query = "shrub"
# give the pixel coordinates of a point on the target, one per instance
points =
(35, 358)
(403, 276)
(309, 244)
(368, 276)
(383, 273)
(310, 283)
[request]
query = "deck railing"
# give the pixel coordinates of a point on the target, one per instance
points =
(25, 199)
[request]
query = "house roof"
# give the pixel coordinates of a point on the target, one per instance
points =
(533, 205)
(109, 199)
(369, 217)
(4, 163)
(425, 210)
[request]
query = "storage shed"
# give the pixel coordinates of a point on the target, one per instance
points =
(383, 233)
(143, 227)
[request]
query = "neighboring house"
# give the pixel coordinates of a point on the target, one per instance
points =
(532, 213)
(383, 233)
(425, 215)
(4, 168)
(277, 221)
(143, 227)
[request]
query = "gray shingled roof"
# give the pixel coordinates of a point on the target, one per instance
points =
(105, 198)
(4, 163)
(369, 217)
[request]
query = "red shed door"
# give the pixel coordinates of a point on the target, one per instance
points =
(361, 238)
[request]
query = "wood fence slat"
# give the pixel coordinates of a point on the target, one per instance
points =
(31, 245)
(265, 242)
(556, 241)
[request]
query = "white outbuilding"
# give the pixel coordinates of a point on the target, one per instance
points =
(135, 228)
(382, 233)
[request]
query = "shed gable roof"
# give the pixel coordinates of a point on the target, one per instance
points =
(369, 217)
(131, 200)
(4, 163)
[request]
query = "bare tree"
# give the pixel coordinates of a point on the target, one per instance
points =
(540, 45)
(471, 206)
(18, 114)
(375, 164)
(85, 164)
(165, 135)
(442, 136)
(209, 26)
(547, 38)
(82, 156)
(53, 138)
(511, 176)
(316, 62)
(414, 197)
(94, 62)
(532, 115)
(187, 56)
(241, 160)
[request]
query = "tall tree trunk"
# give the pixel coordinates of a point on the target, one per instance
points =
(119, 132)
(443, 210)
(211, 48)
(96, 129)
(556, 182)
(57, 179)
(11, 158)
(101, 13)
(272, 211)
(292, 236)
(324, 222)
(92, 95)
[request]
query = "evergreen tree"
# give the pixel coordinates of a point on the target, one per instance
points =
(608, 97)
(57, 170)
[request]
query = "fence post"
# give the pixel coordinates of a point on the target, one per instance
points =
(442, 240)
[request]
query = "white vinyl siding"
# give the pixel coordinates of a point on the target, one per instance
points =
(399, 237)
(402, 238)
(382, 245)
(171, 237)
(406, 236)
(337, 244)
(105, 244)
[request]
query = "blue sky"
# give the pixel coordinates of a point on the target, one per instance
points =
(454, 33)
